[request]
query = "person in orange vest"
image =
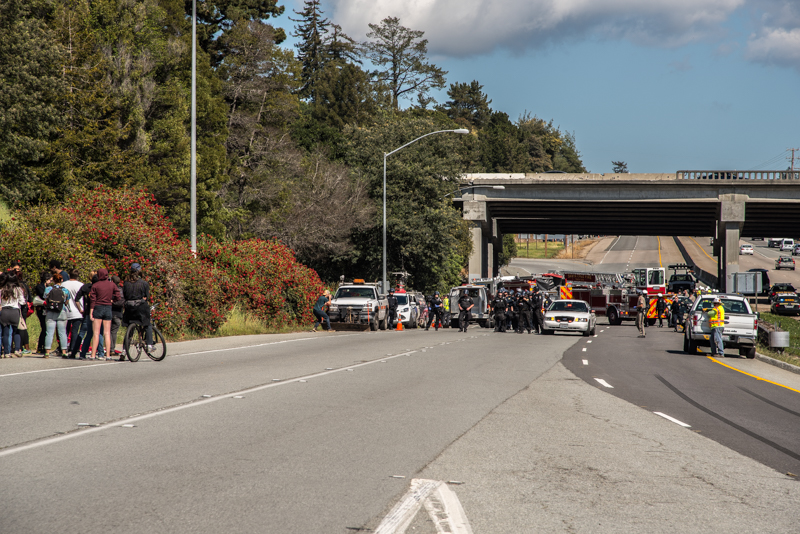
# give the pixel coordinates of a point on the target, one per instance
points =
(716, 322)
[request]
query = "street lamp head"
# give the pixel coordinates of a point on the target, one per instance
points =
(462, 131)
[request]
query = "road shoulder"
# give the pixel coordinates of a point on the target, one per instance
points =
(565, 456)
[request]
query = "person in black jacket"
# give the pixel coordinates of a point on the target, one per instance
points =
(465, 305)
(537, 301)
(391, 301)
(661, 307)
(45, 279)
(435, 311)
(525, 313)
(136, 292)
(499, 309)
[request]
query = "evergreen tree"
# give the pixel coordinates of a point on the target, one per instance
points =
(468, 105)
(400, 55)
(619, 167)
(30, 89)
(311, 50)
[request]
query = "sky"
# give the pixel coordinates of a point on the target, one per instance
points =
(663, 85)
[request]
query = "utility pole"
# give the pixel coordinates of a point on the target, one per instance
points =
(793, 151)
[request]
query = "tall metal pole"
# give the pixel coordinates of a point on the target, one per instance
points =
(193, 179)
(384, 288)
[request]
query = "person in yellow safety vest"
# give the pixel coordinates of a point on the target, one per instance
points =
(716, 322)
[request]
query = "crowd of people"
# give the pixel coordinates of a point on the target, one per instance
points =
(78, 319)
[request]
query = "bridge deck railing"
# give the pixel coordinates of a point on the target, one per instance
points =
(738, 175)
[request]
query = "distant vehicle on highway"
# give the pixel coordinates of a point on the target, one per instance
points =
(784, 262)
(779, 289)
(785, 304)
(570, 316)
(746, 249)
(757, 239)
(787, 244)
(796, 250)
(774, 242)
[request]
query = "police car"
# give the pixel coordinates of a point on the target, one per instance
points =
(570, 316)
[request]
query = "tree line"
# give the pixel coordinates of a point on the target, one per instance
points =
(289, 141)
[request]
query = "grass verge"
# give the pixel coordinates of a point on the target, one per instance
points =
(535, 249)
(790, 354)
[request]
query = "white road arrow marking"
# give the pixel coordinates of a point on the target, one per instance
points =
(442, 505)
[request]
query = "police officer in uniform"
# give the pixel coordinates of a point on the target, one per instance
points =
(392, 303)
(537, 302)
(435, 311)
(499, 308)
(525, 313)
(465, 305)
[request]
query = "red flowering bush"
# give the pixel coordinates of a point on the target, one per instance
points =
(113, 228)
(264, 278)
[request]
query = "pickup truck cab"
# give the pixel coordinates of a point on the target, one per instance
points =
(359, 304)
(741, 325)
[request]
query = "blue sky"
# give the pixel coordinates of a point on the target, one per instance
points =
(663, 85)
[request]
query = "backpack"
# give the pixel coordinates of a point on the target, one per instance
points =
(55, 300)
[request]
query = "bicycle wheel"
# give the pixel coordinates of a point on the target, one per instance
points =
(159, 351)
(134, 343)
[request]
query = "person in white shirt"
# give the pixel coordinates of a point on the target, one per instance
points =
(74, 314)
(12, 298)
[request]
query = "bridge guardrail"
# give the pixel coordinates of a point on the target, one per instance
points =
(738, 175)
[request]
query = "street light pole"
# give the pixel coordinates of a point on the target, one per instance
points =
(193, 165)
(462, 131)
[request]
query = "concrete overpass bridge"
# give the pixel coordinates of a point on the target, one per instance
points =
(725, 205)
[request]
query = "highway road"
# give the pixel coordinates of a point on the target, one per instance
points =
(323, 433)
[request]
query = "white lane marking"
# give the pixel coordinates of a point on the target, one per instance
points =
(106, 364)
(595, 336)
(441, 503)
(604, 383)
(203, 402)
(665, 416)
(609, 249)
(585, 362)
(589, 341)
(583, 349)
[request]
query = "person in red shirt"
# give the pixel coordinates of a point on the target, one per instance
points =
(103, 295)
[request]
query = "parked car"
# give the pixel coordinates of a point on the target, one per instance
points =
(740, 328)
(778, 289)
(746, 249)
(785, 304)
(570, 316)
(784, 262)
(407, 309)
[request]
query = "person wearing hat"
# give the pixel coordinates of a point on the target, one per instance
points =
(537, 302)
(136, 292)
(661, 308)
(716, 322)
(641, 313)
(391, 302)
(499, 311)
(434, 311)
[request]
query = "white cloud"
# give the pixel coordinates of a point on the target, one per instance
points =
(777, 38)
(469, 27)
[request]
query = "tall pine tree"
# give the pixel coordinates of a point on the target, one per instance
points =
(311, 50)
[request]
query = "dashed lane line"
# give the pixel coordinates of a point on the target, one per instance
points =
(604, 383)
(669, 418)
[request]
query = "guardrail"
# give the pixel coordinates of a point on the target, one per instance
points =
(738, 175)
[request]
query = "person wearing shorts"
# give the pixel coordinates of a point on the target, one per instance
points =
(103, 295)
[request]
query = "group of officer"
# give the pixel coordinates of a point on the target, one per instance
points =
(519, 310)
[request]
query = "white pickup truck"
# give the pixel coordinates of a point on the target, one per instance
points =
(359, 305)
(741, 325)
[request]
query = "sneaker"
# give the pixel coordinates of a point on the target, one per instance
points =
(151, 348)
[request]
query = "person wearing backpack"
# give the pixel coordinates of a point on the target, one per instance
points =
(57, 300)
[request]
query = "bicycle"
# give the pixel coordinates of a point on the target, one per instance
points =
(136, 341)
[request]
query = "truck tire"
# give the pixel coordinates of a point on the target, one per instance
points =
(689, 346)
(373, 325)
(482, 323)
(748, 352)
(651, 322)
(613, 317)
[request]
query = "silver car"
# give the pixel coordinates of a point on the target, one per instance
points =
(570, 316)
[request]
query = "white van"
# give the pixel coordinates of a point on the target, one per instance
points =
(787, 244)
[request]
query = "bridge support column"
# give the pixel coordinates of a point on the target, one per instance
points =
(482, 249)
(729, 229)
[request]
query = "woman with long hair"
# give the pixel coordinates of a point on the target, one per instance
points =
(57, 320)
(12, 298)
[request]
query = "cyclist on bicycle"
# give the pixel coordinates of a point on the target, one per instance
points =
(136, 292)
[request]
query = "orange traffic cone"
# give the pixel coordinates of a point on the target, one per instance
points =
(399, 326)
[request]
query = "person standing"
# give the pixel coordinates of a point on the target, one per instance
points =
(102, 295)
(526, 313)
(57, 300)
(465, 305)
(538, 316)
(391, 302)
(716, 322)
(45, 279)
(136, 293)
(74, 314)
(12, 299)
(675, 315)
(319, 310)
(661, 307)
(499, 309)
(435, 311)
(641, 313)
(117, 310)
